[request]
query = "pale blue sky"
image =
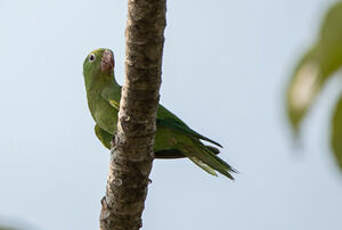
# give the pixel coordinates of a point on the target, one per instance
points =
(225, 67)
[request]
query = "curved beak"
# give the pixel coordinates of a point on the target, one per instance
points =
(107, 61)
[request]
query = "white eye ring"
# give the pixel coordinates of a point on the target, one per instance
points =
(92, 58)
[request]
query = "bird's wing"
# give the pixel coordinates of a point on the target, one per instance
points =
(112, 96)
(105, 137)
(164, 117)
(167, 119)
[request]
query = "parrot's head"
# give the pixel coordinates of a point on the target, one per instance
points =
(99, 64)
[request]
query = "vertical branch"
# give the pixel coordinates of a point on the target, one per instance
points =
(132, 155)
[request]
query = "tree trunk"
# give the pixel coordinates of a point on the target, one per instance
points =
(132, 154)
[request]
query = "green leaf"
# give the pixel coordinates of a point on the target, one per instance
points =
(330, 41)
(304, 86)
(315, 68)
(6, 228)
(336, 133)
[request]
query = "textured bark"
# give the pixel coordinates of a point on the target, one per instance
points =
(132, 154)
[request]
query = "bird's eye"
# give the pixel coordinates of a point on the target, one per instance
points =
(92, 57)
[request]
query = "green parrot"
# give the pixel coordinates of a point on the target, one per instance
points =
(174, 139)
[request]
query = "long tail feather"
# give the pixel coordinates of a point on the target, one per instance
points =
(203, 166)
(208, 157)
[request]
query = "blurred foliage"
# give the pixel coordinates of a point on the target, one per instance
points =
(317, 66)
